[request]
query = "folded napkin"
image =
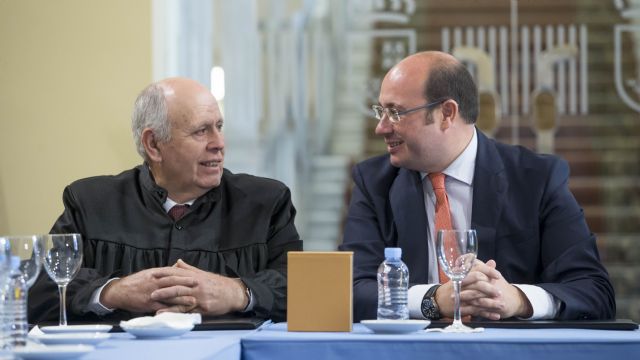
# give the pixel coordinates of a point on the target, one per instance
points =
(35, 331)
(163, 320)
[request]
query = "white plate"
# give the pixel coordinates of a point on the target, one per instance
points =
(155, 332)
(51, 351)
(395, 326)
(71, 338)
(76, 329)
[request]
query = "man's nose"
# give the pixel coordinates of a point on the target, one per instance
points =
(216, 140)
(383, 126)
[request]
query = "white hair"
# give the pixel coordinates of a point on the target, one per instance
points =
(150, 111)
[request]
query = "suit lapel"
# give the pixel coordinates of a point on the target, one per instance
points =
(407, 205)
(489, 189)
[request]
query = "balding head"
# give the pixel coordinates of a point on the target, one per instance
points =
(440, 76)
(183, 96)
(163, 103)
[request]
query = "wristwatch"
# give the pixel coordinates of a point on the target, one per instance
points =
(429, 307)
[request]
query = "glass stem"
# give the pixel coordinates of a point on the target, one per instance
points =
(456, 304)
(62, 289)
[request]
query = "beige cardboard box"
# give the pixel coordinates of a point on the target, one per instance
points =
(320, 291)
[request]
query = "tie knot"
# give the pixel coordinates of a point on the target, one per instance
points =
(437, 180)
(177, 211)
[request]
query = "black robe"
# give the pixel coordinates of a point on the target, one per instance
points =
(243, 228)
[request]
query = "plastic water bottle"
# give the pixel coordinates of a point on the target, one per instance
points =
(393, 285)
(15, 305)
(5, 269)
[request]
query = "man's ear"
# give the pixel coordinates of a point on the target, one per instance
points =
(449, 110)
(151, 145)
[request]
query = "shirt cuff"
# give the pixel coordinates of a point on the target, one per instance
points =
(94, 304)
(414, 301)
(545, 306)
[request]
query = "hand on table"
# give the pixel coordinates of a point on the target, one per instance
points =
(485, 293)
(212, 294)
(133, 292)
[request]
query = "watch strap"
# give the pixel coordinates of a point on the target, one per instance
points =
(432, 291)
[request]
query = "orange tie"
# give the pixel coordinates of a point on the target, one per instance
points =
(443, 214)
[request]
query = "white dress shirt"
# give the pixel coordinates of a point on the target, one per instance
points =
(459, 187)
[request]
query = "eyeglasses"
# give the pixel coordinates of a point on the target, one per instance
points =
(394, 114)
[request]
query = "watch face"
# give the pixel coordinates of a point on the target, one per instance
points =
(430, 309)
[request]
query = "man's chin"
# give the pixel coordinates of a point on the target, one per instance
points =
(210, 183)
(213, 184)
(395, 161)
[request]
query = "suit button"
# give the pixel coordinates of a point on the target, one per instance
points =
(179, 227)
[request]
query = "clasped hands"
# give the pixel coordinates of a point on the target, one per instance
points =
(178, 288)
(484, 293)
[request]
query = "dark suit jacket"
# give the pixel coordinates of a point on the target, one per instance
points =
(526, 218)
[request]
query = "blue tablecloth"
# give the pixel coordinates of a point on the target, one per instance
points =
(221, 345)
(274, 342)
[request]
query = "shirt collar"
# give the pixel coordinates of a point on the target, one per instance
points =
(168, 203)
(463, 167)
(148, 183)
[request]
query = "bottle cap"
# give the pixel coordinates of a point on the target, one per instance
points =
(392, 253)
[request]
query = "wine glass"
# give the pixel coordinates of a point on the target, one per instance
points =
(457, 250)
(62, 260)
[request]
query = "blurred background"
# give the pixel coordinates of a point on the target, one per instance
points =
(296, 79)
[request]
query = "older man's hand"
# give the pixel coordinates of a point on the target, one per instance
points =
(213, 294)
(133, 292)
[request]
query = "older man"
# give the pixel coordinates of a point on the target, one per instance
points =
(179, 232)
(538, 259)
